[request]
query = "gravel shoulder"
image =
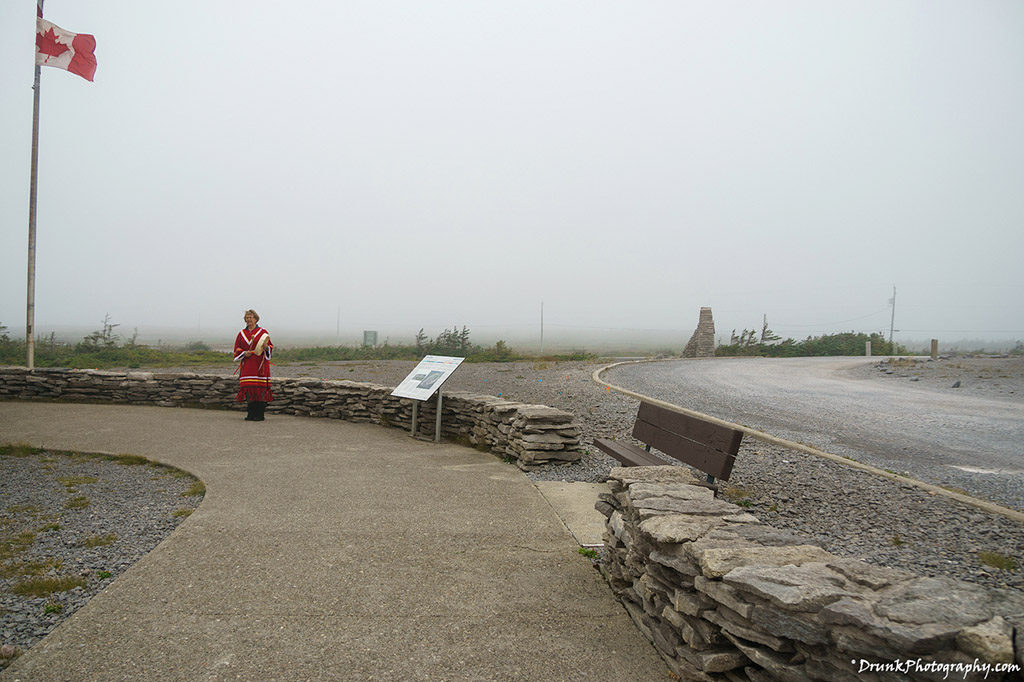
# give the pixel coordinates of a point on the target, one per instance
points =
(996, 377)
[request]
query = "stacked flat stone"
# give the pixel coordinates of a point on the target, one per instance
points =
(541, 435)
(702, 343)
(531, 435)
(724, 597)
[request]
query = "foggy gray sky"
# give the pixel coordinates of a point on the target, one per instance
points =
(423, 164)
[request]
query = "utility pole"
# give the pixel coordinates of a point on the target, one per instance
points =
(542, 327)
(892, 320)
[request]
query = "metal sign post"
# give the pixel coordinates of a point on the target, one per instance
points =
(437, 422)
(424, 381)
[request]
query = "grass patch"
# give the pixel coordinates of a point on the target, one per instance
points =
(19, 450)
(53, 607)
(24, 509)
(196, 489)
(736, 494)
(103, 575)
(997, 560)
(181, 513)
(13, 546)
(44, 587)
(79, 502)
(896, 541)
(28, 568)
(49, 527)
(99, 540)
(587, 552)
(129, 460)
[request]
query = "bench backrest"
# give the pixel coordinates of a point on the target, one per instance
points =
(701, 444)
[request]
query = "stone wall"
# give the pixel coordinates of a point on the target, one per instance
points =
(724, 597)
(533, 435)
(702, 343)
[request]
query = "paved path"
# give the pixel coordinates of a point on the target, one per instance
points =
(326, 550)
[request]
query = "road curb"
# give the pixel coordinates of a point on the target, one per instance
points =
(984, 505)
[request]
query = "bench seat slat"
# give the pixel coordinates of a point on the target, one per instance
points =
(627, 453)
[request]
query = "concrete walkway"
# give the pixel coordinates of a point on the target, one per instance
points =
(327, 550)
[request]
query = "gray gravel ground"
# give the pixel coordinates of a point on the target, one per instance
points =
(78, 517)
(847, 511)
(1000, 377)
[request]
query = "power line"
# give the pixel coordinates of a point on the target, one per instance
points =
(828, 324)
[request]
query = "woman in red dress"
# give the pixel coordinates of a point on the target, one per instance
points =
(253, 348)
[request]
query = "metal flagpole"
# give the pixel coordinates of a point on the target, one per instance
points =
(30, 313)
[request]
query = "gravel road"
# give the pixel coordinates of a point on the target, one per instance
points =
(927, 429)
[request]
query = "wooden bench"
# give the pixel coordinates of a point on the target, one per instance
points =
(706, 446)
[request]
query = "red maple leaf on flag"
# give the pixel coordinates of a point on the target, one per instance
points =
(46, 43)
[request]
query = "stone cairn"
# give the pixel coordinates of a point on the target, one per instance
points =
(724, 597)
(531, 435)
(702, 343)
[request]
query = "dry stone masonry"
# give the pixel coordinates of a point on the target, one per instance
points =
(723, 597)
(532, 435)
(702, 343)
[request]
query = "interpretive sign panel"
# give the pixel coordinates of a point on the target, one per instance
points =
(427, 377)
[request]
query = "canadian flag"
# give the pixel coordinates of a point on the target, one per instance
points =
(74, 52)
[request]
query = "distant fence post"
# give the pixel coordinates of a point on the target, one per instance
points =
(867, 349)
(935, 349)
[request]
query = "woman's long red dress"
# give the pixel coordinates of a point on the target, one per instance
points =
(254, 372)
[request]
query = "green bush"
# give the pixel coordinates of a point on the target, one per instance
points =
(768, 345)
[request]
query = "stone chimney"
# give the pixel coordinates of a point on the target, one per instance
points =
(702, 343)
